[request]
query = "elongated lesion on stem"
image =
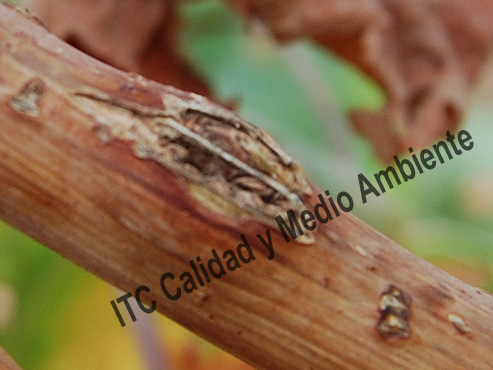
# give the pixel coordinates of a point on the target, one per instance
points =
(218, 153)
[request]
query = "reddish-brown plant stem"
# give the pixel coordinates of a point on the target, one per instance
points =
(74, 179)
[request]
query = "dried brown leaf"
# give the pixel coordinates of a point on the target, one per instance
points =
(133, 35)
(425, 54)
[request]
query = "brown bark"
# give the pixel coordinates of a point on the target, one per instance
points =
(424, 54)
(114, 172)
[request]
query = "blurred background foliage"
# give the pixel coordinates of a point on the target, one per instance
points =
(54, 315)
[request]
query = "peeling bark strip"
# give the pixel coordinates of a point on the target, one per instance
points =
(68, 181)
(220, 154)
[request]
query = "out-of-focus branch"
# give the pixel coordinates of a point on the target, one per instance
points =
(6, 363)
(132, 179)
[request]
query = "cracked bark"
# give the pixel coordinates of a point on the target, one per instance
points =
(73, 177)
